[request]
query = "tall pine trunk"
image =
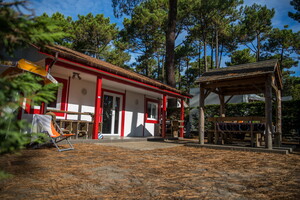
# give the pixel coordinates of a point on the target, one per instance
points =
(205, 57)
(170, 46)
(217, 49)
(221, 54)
(199, 58)
(170, 43)
(258, 48)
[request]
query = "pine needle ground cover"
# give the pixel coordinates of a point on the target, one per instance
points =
(105, 172)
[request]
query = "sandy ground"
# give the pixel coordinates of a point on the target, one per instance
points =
(150, 171)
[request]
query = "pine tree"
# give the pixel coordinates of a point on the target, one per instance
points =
(255, 24)
(17, 31)
(241, 57)
(296, 15)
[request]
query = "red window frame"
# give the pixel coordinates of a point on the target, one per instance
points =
(147, 120)
(64, 103)
(29, 109)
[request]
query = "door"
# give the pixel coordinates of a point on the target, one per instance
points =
(111, 113)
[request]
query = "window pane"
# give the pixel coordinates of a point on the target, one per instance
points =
(149, 110)
(117, 111)
(152, 110)
(107, 113)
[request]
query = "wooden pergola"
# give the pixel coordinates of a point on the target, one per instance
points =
(262, 77)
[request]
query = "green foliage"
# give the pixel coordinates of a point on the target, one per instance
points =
(145, 32)
(296, 5)
(255, 23)
(13, 91)
(291, 85)
(282, 42)
(92, 35)
(18, 30)
(241, 57)
(296, 92)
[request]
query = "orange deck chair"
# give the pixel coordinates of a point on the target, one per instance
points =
(56, 136)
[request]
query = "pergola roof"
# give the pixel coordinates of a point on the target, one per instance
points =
(242, 79)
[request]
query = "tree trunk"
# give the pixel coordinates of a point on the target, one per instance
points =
(187, 75)
(170, 43)
(205, 57)
(221, 54)
(217, 49)
(258, 48)
(163, 70)
(170, 46)
(179, 76)
(199, 58)
(158, 68)
(212, 56)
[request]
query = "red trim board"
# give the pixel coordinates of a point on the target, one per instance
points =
(98, 107)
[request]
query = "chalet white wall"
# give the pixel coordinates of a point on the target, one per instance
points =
(149, 129)
(134, 115)
(78, 102)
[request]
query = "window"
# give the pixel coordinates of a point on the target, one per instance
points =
(60, 103)
(152, 111)
(56, 104)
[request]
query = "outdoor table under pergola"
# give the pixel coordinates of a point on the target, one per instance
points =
(262, 77)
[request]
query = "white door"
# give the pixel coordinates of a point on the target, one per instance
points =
(112, 110)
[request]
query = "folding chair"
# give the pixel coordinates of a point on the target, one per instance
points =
(56, 136)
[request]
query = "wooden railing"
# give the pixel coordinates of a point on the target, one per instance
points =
(238, 125)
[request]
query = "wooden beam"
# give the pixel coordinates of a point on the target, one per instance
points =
(201, 115)
(261, 90)
(268, 112)
(207, 92)
(229, 99)
(245, 81)
(239, 92)
(216, 91)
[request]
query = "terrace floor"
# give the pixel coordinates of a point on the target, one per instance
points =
(149, 170)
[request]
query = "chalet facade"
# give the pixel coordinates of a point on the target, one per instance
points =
(115, 101)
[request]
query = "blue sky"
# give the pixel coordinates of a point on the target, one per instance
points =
(74, 7)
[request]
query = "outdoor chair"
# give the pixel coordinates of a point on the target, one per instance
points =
(57, 136)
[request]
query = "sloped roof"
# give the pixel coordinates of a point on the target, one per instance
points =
(242, 79)
(240, 71)
(81, 58)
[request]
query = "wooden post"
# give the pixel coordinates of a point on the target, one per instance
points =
(268, 113)
(98, 109)
(182, 118)
(201, 115)
(164, 111)
(278, 119)
(222, 105)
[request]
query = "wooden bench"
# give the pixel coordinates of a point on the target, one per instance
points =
(224, 126)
